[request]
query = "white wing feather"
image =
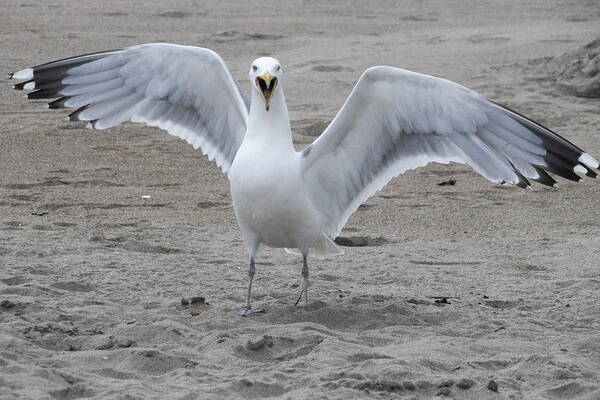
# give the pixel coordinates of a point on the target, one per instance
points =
(395, 120)
(188, 91)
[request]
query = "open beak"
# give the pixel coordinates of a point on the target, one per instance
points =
(267, 85)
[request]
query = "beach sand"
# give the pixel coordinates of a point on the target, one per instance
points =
(466, 291)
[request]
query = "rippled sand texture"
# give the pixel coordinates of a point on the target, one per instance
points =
(466, 291)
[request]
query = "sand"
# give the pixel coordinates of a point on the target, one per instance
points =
(466, 291)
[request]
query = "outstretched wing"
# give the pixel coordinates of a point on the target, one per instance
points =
(187, 91)
(396, 120)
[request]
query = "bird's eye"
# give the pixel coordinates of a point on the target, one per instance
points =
(254, 68)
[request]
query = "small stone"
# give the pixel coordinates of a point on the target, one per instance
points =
(442, 301)
(492, 385)
(465, 383)
(198, 299)
(195, 313)
(7, 304)
(449, 182)
(408, 385)
(446, 383)
(443, 392)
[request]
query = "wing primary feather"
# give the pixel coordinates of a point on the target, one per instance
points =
(551, 139)
(589, 172)
(21, 86)
(58, 103)
(544, 178)
(50, 93)
(74, 116)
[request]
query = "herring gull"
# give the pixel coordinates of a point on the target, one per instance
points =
(394, 120)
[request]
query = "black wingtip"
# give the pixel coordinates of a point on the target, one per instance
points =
(21, 86)
(44, 93)
(589, 172)
(522, 185)
(59, 103)
(74, 116)
(92, 124)
(10, 76)
(523, 182)
(544, 178)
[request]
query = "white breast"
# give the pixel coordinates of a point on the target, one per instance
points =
(268, 196)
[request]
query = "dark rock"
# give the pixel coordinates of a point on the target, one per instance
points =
(446, 383)
(7, 304)
(449, 182)
(442, 301)
(492, 385)
(465, 383)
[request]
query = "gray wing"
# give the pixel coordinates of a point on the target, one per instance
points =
(187, 91)
(395, 120)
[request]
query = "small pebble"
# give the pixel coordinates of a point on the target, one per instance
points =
(195, 313)
(449, 182)
(7, 304)
(492, 385)
(442, 300)
(446, 383)
(198, 299)
(465, 383)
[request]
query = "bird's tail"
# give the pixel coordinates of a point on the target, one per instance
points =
(324, 247)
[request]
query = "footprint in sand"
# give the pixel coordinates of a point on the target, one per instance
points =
(269, 349)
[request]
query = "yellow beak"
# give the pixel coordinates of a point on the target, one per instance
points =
(267, 78)
(267, 91)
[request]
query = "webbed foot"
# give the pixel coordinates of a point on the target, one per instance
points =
(244, 311)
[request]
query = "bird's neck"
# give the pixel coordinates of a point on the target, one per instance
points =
(272, 125)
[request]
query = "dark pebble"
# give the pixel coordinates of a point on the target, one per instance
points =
(443, 300)
(492, 385)
(198, 299)
(449, 182)
(465, 383)
(7, 304)
(446, 383)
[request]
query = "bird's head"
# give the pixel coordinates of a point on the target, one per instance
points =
(265, 75)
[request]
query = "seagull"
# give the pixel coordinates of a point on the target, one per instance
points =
(393, 121)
